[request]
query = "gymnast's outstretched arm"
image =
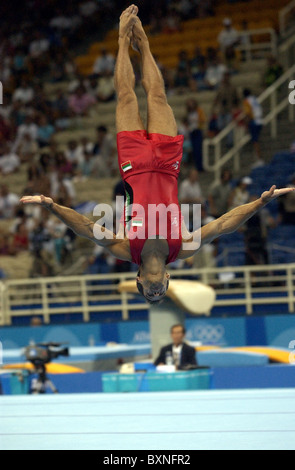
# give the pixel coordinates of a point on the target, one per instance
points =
(81, 225)
(234, 219)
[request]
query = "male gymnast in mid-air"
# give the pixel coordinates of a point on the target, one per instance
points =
(149, 163)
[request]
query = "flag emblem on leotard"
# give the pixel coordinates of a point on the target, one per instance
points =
(137, 222)
(126, 166)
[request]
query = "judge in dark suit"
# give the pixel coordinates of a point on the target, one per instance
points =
(182, 355)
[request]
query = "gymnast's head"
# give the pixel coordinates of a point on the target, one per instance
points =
(153, 287)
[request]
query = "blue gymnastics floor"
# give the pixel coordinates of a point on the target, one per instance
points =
(201, 420)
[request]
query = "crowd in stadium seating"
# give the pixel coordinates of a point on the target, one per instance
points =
(29, 120)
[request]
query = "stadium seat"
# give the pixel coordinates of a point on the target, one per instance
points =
(233, 259)
(233, 239)
(284, 234)
(285, 156)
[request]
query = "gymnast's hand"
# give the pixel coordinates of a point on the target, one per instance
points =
(42, 200)
(273, 193)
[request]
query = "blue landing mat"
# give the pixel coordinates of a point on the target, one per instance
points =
(201, 420)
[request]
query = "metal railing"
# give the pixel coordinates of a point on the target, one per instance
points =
(97, 294)
(2, 303)
(215, 160)
(251, 49)
(286, 52)
(286, 15)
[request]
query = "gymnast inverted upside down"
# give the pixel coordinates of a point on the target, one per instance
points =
(149, 162)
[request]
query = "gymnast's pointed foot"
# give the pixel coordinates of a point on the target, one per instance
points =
(138, 37)
(127, 21)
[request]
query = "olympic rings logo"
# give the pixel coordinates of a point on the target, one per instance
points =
(141, 337)
(209, 333)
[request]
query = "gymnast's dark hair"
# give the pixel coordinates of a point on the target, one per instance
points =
(140, 290)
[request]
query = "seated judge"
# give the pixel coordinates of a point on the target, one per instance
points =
(183, 355)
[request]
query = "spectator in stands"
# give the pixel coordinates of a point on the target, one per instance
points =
(171, 23)
(245, 39)
(60, 111)
(228, 39)
(183, 62)
(74, 153)
(45, 162)
(287, 206)
(42, 265)
(190, 195)
(91, 85)
(255, 232)
(206, 256)
(27, 148)
(20, 64)
(62, 165)
(182, 82)
(105, 90)
(86, 145)
(87, 8)
(183, 79)
(61, 22)
(105, 152)
(99, 262)
(214, 74)
(80, 101)
(237, 113)
(186, 8)
(63, 190)
(211, 54)
(273, 72)
(41, 249)
(16, 115)
(24, 93)
(28, 127)
(205, 8)
(105, 64)
(183, 129)
(254, 121)
(6, 248)
(6, 131)
(20, 240)
(190, 191)
(6, 108)
(62, 249)
(196, 122)
(85, 166)
(35, 322)
(6, 74)
(9, 161)
(8, 202)
(45, 131)
(58, 70)
(182, 355)
(21, 217)
(198, 68)
(240, 194)
(218, 196)
(223, 104)
(70, 67)
(39, 56)
(41, 103)
(38, 181)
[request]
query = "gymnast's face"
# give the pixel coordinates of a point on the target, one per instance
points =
(153, 287)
